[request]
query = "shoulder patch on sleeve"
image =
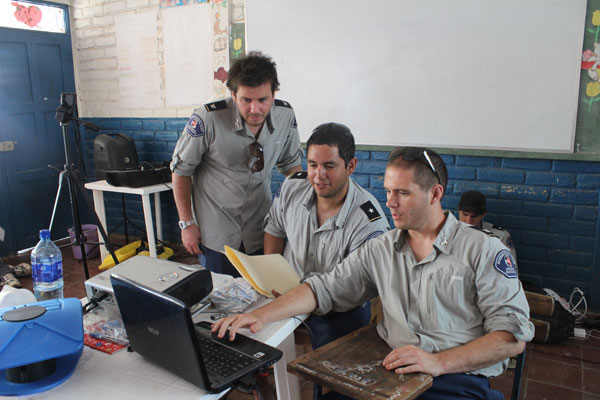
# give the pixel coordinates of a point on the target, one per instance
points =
(195, 126)
(216, 105)
(498, 227)
(299, 175)
(505, 264)
(369, 209)
(282, 103)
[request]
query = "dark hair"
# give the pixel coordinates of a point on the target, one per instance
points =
(333, 134)
(253, 70)
(426, 175)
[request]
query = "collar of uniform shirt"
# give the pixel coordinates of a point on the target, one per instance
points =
(442, 241)
(235, 117)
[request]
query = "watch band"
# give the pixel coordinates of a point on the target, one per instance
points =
(185, 224)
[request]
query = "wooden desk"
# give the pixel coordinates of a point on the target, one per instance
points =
(352, 366)
(99, 187)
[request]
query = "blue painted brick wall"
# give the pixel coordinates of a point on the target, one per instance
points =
(550, 207)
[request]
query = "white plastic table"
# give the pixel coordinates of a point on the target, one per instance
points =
(124, 375)
(99, 187)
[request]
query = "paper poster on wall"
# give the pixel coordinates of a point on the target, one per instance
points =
(188, 55)
(137, 60)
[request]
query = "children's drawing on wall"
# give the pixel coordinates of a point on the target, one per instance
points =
(220, 59)
(591, 62)
(237, 31)
(217, 25)
(220, 75)
(175, 3)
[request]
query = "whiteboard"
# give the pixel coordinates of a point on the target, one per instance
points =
(482, 74)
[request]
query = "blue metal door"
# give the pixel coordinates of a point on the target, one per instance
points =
(35, 67)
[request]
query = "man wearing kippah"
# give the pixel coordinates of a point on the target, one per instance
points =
(471, 210)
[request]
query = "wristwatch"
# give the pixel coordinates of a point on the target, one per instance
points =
(185, 224)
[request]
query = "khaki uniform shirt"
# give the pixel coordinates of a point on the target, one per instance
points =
(313, 248)
(229, 200)
(466, 287)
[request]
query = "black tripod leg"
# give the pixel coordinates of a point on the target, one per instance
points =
(90, 206)
(79, 241)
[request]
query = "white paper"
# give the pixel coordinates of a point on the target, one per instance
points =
(188, 56)
(137, 59)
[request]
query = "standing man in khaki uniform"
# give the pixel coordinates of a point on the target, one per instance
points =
(452, 304)
(223, 161)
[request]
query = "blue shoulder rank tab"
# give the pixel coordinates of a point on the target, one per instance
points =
(483, 230)
(216, 105)
(369, 209)
(195, 126)
(299, 175)
(282, 103)
(505, 264)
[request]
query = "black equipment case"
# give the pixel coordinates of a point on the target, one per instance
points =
(114, 151)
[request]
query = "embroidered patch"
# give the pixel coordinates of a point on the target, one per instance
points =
(371, 211)
(278, 192)
(505, 264)
(369, 237)
(299, 175)
(195, 126)
(217, 105)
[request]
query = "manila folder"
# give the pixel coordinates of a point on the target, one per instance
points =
(265, 273)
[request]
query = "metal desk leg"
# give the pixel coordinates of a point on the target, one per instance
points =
(149, 224)
(286, 384)
(98, 196)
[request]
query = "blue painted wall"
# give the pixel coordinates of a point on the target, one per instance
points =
(550, 207)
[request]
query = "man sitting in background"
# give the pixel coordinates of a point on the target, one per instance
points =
(471, 210)
(324, 215)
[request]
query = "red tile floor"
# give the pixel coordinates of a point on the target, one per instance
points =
(567, 370)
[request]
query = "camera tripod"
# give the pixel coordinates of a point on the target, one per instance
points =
(66, 113)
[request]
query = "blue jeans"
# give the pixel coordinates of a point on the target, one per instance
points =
(334, 325)
(218, 262)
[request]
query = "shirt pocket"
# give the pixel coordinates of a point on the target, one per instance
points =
(451, 298)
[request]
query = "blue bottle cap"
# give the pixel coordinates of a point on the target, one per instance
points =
(44, 234)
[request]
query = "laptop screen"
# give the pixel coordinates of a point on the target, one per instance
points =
(160, 328)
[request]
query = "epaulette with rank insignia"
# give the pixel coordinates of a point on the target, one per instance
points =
(216, 105)
(498, 227)
(299, 175)
(371, 211)
(483, 230)
(282, 103)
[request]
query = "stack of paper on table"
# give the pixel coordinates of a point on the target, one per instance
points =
(264, 273)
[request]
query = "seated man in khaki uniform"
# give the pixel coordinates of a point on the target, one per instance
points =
(452, 304)
(321, 215)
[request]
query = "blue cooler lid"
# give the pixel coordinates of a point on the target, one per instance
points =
(40, 345)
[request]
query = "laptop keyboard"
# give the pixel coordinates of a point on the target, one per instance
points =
(222, 360)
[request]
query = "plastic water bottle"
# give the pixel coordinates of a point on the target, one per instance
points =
(46, 269)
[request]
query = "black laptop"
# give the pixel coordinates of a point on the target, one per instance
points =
(160, 328)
